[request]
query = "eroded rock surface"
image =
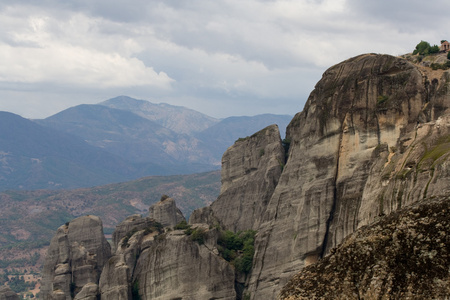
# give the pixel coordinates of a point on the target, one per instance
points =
(166, 212)
(405, 255)
(75, 258)
(176, 267)
(152, 261)
(134, 222)
(350, 161)
(250, 172)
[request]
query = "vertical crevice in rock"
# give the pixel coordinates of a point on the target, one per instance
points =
(335, 199)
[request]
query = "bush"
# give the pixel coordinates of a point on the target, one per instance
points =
(238, 248)
(448, 55)
(198, 235)
(182, 225)
(444, 66)
(424, 48)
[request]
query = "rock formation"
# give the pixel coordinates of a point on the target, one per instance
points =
(373, 138)
(350, 159)
(75, 258)
(166, 212)
(176, 267)
(250, 172)
(402, 256)
(156, 262)
(7, 294)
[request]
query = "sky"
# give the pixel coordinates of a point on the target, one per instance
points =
(222, 57)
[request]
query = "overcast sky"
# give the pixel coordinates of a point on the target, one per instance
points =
(222, 58)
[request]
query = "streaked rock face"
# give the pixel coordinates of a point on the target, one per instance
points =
(75, 258)
(250, 172)
(166, 263)
(175, 267)
(357, 151)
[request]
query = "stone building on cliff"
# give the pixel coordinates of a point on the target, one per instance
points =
(445, 46)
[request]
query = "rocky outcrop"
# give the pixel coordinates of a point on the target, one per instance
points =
(88, 292)
(152, 261)
(134, 222)
(166, 212)
(131, 237)
(177, 267)
(75, 258)
(250, 172)
(7, 294)
(350, 161)
(402, 256)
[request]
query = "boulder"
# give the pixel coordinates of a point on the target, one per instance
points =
(166, 212)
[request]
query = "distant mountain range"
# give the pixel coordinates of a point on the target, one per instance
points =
(116, 140)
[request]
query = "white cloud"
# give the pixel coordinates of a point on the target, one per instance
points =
(73, 53)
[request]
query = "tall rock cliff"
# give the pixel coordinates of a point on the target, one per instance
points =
(251, 169)
(75, 258)
(373, 137)
(152, 260)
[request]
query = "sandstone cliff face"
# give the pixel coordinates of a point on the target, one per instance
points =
(402, 256)
(134, 222)
(359, 125)
(153, 262)
(250, 172)
(75, 258)
(175, 267)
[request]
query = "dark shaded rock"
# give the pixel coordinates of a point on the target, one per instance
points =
(405, 255)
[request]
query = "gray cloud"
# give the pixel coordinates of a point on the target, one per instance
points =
(220, 57)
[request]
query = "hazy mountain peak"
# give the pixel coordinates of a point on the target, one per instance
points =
(177, 118)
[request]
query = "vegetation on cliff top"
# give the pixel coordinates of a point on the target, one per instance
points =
(424, 48)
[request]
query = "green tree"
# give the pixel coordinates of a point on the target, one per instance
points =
(421, 47)
(424, 48)
(434, 49)
(448, 55)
